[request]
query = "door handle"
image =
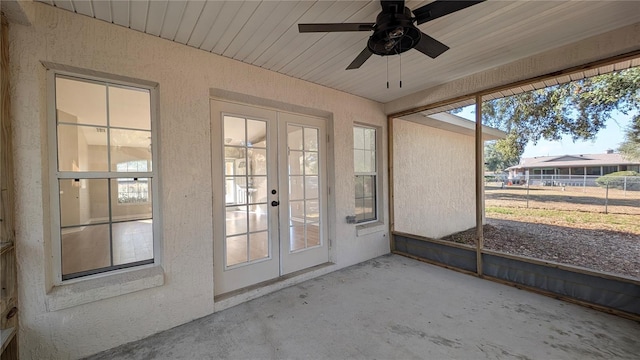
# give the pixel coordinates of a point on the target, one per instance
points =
(275, 203)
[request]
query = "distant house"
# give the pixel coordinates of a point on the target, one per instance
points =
(569, 169)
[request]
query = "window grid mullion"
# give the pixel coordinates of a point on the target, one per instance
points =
(103, 175)
(109, 175)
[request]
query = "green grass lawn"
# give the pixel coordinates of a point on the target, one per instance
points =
(578, 219)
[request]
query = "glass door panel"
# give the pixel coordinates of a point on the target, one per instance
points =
(246, 248)
(246, 190)
(303, 153)
(269, 202)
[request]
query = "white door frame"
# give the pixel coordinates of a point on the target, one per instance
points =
(227, 279)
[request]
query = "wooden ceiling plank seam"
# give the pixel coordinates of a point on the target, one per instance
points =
(279, 30)
(139, 11)
(275, 33)
(300, 41)
(364, 76)
(511, 16)
(64, 4)
(111, 12)
(210, 6)
(544, 26)
(410, 83)
(327, 55)
(83, 7)
(225, 17)
(120, 12)
(418, 59)
(520, 28)
(327, 48)
(332, 59)
(342, 16)
(243, 37)
(189, 20)
(268, 59)
(173, 17)
(280, 14)
(102, 10)
(240, 20)
(155, 19)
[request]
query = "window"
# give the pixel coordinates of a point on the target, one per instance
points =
(609, 169)
(103, 159)
(133, 190)
(593, 170)
(577, 171)
(366, 175)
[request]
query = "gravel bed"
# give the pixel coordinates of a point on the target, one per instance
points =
(602, 250)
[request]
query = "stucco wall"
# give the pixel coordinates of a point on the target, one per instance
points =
(186, 76)
(434, 186)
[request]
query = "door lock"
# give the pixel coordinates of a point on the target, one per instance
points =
(275, 203)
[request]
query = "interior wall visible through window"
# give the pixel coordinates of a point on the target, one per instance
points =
(104, 174)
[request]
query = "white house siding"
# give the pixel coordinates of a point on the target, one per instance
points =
(186, 76)
(434, 187)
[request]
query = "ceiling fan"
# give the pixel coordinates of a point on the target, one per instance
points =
(394, 31)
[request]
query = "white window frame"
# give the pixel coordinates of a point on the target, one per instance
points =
(363, 225)
(145, 275)
(122, 180)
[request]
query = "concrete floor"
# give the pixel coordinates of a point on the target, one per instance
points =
(393, 307)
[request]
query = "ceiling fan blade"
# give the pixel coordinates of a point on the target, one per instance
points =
(430, 46)
(360, 59)
(335, 27)
(440, 8)
(396, 7)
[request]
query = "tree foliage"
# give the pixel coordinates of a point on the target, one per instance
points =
(578, 108)
(630, 147)
(497, 159)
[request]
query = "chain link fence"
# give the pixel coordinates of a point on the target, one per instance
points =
(603, 194)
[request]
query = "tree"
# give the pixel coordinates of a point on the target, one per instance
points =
(577, 108)
(630, 147)
(497, 159)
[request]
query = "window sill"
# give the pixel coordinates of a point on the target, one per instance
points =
(370, 228)
(109, 285)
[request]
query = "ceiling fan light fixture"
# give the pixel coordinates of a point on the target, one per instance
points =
(396, 33)
(389, 45)
(395, 30)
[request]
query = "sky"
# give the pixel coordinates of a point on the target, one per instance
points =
(608, 138)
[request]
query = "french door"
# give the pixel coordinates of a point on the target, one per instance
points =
(269, 194)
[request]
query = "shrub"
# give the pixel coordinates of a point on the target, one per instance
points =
(619, 179)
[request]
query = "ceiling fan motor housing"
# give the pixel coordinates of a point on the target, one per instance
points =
(394, 33)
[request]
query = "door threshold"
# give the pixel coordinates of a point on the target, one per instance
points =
(236, 297)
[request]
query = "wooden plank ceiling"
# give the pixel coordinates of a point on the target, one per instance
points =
(265, 34)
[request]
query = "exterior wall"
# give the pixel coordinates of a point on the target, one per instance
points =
(186, 76)
(434, 187)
